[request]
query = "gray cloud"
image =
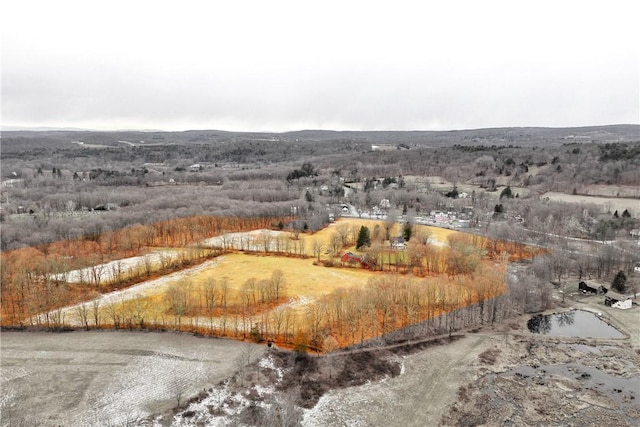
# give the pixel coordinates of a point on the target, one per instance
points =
(419, 67)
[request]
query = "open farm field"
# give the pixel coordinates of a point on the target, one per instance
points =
(437, 235)
(262, 240)
(629, 191)
(265, 292)
(107, 377)
(303, 243)
(240, 235)
(303, 283)
(608, 204)
(113, 270)
(440, 184)
(303, 279)
(293, 299)
(113, 378)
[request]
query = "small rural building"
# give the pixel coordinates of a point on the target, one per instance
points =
(623, 305)
(615, 300)
(365, 260)
(586, 289)
(398, 243)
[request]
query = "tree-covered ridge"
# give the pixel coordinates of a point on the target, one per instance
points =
(620, 151)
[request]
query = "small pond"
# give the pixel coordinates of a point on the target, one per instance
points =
(576, 323)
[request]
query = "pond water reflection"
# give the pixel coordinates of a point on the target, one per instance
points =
(576, 323)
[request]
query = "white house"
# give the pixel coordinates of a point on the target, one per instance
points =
(623, 305)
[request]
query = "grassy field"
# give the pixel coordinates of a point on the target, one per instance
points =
(608, 204)
(303, 279)
(438, 235)
(240, 293)
(304, 282)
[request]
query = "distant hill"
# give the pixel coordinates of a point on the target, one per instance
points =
(518, 136)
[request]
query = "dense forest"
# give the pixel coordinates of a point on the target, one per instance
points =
(66, 185)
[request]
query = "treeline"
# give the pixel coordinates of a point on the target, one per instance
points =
(392, 302)
(421, 257)
(214, 307)
(258, 311)
(619, 151)
(65, 214)
(34, 277)
(37, 288)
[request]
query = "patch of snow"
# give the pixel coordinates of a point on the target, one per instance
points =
(263, 391)
(255, 240)
(267, 363)
(216, 409)
(202, 415)
(107, 272)
(70, 312)
(324, 413)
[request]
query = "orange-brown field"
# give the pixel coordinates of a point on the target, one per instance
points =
(303, 278)
(438, 235)
(305, 297)
(303, 281)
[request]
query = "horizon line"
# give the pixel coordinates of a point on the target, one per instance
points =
(11, 128)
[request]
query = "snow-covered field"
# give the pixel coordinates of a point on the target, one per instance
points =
(107, 377)
(609, 204)
(141, 289)
(255, 240)
(107, 272)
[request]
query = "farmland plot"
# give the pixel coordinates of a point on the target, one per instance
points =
(305, 282)
(107, 378)
(261, 240)
(111, 271)
(608, 204)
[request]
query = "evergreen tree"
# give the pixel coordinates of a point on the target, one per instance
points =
(506, 193)
(364, 238)
(407, 231)
(619, 282)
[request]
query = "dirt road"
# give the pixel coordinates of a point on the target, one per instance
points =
(418, 397)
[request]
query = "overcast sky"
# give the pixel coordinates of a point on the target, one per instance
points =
(345, 65)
